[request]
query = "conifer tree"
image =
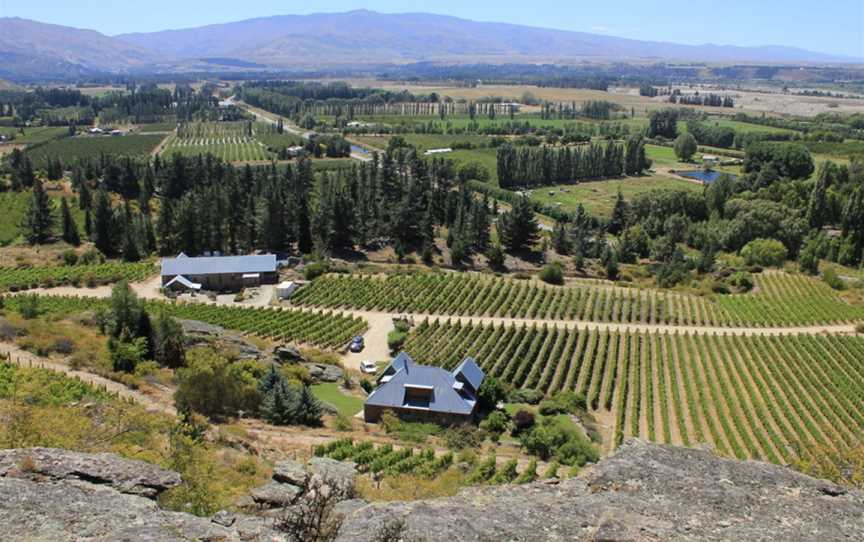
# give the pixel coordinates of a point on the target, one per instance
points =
(38, 221)
(70, 229)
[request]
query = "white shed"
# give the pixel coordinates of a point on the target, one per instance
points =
(286, 289)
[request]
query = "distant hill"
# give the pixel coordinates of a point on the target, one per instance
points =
(30, 49)
(368, 37)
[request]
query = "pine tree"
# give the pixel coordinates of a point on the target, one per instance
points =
(70, 229)
(38, 221)
(309, 408)
(103, 224)
(518, 228)
(168, 347)
(619, 215)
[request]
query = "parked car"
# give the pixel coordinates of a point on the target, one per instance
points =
(356, 344)
(368, 367)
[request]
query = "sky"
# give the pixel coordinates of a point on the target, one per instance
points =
(830, 26)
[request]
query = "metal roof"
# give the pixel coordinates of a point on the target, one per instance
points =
(210, 265)
(409, 375)
(471, 372)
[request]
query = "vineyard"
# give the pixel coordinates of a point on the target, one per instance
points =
(230, 141)
(70, 149)
(777, 398)
(13, 279)
(779, 300)
(323, 329)
(384, 460)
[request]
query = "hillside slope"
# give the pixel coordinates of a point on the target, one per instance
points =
(364, 36)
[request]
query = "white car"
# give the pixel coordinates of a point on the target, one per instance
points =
(368, 367)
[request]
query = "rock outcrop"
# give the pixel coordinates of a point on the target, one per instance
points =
(291, 478)
(645, 492)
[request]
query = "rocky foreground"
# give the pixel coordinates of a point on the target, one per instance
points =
(643, 492)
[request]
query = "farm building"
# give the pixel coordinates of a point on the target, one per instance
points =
(422, 393)
(218, 273)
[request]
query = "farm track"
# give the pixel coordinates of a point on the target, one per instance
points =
(27, 359)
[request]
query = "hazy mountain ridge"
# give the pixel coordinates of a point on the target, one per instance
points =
(30, 49)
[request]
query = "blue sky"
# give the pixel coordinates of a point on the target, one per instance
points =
(831, 26)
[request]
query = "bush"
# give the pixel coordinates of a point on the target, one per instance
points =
(395, 339)
(765, 252)
(462, 437)
(70, 257)
(523, 420)
(552, 273)
(315, 269)
(367, 385)
(495, 424)
(859, 328)
(741, 280)
(215, 386)
(565, 402)
(832, 279)
(551, 439)
(491, 392)
(527, 396)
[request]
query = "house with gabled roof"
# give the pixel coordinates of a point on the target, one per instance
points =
(422, 393)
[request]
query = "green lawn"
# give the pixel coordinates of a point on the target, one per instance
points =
(347, 405)
(598, 197)
(13, 205)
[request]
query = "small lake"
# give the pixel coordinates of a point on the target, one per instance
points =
(704, 176)
(361, 150)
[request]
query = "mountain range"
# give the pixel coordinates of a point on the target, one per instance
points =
(30, 49)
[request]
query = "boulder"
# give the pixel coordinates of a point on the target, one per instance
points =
(124, 475)
(324, 373)
(201, 333)
(275, 494)
(287, 354)
(338, 474)
(289, 471)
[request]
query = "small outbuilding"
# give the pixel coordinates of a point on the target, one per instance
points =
(286, 289)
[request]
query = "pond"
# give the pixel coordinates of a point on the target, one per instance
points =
(361, 150)
(705, 176)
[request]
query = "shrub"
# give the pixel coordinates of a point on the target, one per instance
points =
(462, 437)
(859, 328)
(342, 423)
(766, 252)
(491, 392)
(565, 402)
(832, 279)
(528, 396)
(70, 257)
(367, 385)
(315, 269)
(552, 273)
(741, 280)
(523, 420)
(495, 424)
(395, 339)
(529, 474)
(506, 474)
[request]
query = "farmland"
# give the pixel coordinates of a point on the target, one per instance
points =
(776, 398)
(598, 197)
(34, 136)
(70, 149)
(780, 300)
(230, 141)
(323, 329)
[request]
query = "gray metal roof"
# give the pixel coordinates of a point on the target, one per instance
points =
(471, 372)
(209, 265)
(406, 373)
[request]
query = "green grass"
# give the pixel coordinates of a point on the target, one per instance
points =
(598, 197)
(34, 136)
(70, 149)
(436, 141)
(13, 205)
(347, 405)
(740, 127)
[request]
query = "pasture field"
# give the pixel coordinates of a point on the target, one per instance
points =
(324, 329)
(34, 136)
(780, 299)
(70, 149)
(598, 197)
(775, 398)
(230, 141)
